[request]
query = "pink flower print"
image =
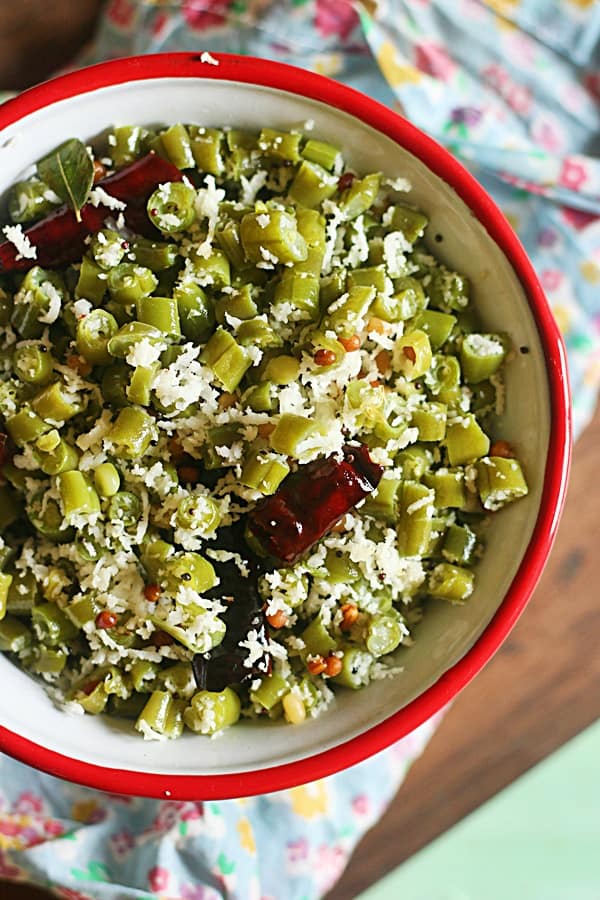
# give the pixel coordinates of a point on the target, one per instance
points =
(548, 133)
(168, 815)
(197, 892)
(551, 279)
(297, 850)
(331, 862)
(496, 76)
(193, 810)
(53, 828)
(29, 804)
(547, 238)
(7, 870)
(434, 60)
(121, 14)
(335, 17)
(519, 98)
(122, 843)
(158, 879)
(203, 14)
(573, 174)
(160, 24)
(577, 217)
(9, 827)
(360, 804)
(70, 894)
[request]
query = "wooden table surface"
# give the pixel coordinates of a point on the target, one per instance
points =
(541, 688)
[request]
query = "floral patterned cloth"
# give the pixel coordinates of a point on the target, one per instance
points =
(512, 87)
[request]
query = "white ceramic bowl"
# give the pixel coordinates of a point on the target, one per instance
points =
(453, 643)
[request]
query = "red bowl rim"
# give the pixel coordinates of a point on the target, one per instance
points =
(298, 81)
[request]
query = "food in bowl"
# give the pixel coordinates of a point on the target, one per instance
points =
(247, 427)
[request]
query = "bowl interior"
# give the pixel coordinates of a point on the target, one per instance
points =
(446, 632)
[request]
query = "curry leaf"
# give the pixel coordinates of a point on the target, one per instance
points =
(69, 172)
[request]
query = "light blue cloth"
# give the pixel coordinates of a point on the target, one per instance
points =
(512, 88)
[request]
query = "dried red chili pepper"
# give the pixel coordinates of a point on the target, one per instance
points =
(60, 239)
(311, 501)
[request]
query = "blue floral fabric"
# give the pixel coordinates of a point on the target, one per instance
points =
(512, 87)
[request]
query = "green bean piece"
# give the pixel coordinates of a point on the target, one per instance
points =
(260, 398)
(270, 691)
(481, 355)
(114, 384)
(25, 426)
(171, 207)
(409, 221)
(38, 302)
(414, 356)
(459, 545)
(188, 570)
(131, 432)
(155, 553)
(311, 225)
(359, 197)
(161, 313)
(280, 145)
(15, 636)
(11, 507)
(144, 676)
(228, 239)
(56, 404)
(207, 149)
(22, 593)
(129, 282)
(370, 275)
(7, 554)
(140, 386)
(332, 287)
(213, 270)
(300, 289)
(443, 379)
(381, 504)
(449, 487)
(176, 144)
(436, 325)
(32, 363)
(82, 611)
(282, 369)
(431, 420)
(290, 432)
(259, 333)
(227, 359)
(241, 305)
(126, 707)
(47, 661)
(415, 512)
(31, 200)
(264, 472)
(271, 236)
(317, 640)
(94, 332)
(78, 497)
(121, 343)
(500, 481)
(448, 290)
(199, 512)
(345, 316)
(466, 441)
(126, 144)
(46, 516)
(196, 313)
(323, 154)
(384, 635)
(452, 583)
(51, 625)
(91, 694)
(340, 568)
(406, 301)
(126, 508)
(92, 283)
(312, 184)
(212, 711)
(155, 255)
(356, 668)
(108, 248)
(5, 583)
(201, 643)
(62, 457)
(221, 436)
(178, 679)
